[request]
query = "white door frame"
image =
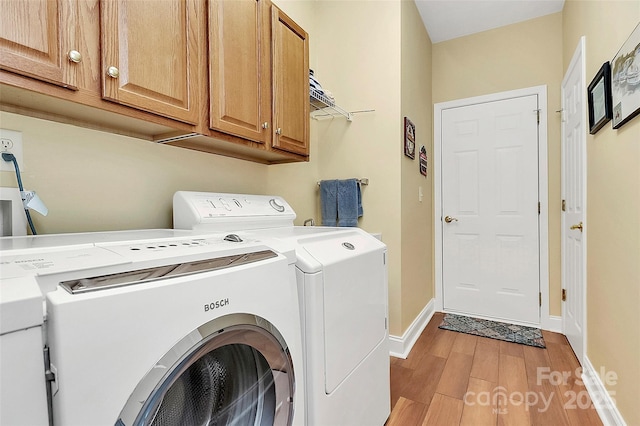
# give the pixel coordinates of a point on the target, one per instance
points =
(578, 60)
(543, 219)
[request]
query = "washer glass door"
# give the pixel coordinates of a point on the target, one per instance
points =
(239, 374)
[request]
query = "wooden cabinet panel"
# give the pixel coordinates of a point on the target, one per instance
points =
(154, 47)
(240, 68)
(290, 49)
(35, 38)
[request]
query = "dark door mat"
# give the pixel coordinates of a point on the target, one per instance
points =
(530, 336)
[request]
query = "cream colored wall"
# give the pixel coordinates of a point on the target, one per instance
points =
(513, 57)
(417, 216)
(613, 210)
(355, 53)
(96, 181)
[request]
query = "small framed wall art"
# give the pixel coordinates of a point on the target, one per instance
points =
(625, 80)
(423, 160)
(599, 96)
(409, 138)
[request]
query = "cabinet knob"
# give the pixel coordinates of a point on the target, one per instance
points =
(113, 72)
(278, 131)
(265, 125)
(74, 56)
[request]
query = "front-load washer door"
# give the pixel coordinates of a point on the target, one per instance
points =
(235, 370)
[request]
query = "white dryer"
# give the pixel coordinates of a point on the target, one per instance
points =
(342, 285)
(164, 328)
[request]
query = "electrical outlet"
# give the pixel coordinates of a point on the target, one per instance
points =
(6, 145)
(11, 141)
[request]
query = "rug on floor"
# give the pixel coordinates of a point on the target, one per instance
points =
(530, 336)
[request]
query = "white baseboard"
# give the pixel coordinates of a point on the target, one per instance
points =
(602, 400)
(400, 347)
(552, 323)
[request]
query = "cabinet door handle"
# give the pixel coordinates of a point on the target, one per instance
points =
(113, 72)
(278, 131)
(74, 56)
(265, 125)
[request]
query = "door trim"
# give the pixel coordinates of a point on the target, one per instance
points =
(543, 219)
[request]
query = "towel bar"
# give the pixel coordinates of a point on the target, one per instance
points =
(361, 181)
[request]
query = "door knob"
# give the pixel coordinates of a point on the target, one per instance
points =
(578, 226)
(450, 219)
(278, 131)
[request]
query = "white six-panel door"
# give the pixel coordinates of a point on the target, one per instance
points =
(490, 208)
(574, 194)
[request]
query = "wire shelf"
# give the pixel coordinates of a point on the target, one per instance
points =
(325, 107)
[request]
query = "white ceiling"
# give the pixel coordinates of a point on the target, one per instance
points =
(448, 19)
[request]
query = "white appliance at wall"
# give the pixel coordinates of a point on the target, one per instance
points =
(12, 218)
(342, 285)
(155, 327)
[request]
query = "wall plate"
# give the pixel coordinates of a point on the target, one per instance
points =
(11, 141)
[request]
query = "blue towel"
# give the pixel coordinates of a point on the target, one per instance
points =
(349, 202)
(329, 202)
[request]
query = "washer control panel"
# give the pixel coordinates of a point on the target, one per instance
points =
(221, 211)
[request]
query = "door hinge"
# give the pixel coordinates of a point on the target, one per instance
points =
(564, 295)
(540, 299)
(538, 207)
(564, 205)
(538, 115)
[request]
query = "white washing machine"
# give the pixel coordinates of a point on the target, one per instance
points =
(342, 285)
(149, 328)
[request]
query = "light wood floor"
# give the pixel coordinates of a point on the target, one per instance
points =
(453, 378)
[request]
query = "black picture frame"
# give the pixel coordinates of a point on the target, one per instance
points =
(599, 97)
(625, 79)
(409, 138)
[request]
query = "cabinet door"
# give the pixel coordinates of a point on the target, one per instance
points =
(240, 68)
(150, 55)
(290, 49)
(36, 37)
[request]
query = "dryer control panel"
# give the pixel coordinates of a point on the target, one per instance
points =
(213, 211)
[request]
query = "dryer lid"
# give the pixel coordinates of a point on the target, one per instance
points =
(323, 249)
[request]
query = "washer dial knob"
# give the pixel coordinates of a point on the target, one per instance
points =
(276, 205)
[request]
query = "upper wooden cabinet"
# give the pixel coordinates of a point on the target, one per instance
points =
(223, 76)
(290, 84)
(259, 74)
(38, 39)
(240, 68)
(151, 55)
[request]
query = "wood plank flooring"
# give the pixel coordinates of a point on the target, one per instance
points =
(453, 378)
